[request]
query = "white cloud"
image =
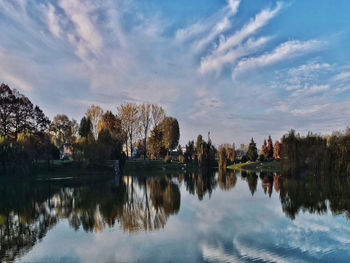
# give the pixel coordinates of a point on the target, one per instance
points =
(259, 21)
(310, 90)
(284, 51)
(216, 62)
(85, 36)
(342, 76)
(53, 21)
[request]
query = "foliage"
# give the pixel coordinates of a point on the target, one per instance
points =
(269, 148)
(155, 142)
(314, 153)
(167, 159)
(94, 113)
(276, 150)
(190, 151)
(85, 128)
(252, 153)
(205, 152)
(63, 130)
(171, 133)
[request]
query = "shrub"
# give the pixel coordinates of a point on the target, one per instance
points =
(181, 159)
(167, 159)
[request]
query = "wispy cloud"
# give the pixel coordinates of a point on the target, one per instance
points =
(53, 21)
(285, 51)
(259, 21)
(84, 35)
(216, 63)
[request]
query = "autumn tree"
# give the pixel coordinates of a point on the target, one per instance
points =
(252, 153)
(95, 114)
(130, 122)
(264, 150)
(222, 156)
(155, 142)
(171, 133)
(276, 150)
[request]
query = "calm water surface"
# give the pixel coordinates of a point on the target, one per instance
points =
(206, 217)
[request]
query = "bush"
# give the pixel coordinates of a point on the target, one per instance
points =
(261, 158)
(244, 159)
(181, 159)
(167, 159)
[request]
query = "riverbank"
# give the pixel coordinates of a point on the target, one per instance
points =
(269, 166)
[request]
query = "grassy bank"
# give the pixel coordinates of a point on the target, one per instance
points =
(272, 166)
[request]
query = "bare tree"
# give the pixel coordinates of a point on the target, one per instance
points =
(129, 116)
(158, 114)
(95, 114)
(145, 123)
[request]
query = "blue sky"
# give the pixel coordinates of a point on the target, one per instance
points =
(238, 69)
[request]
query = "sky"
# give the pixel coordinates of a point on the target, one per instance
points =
(237, 68)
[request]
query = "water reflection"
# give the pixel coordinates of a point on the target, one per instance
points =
(143, 204)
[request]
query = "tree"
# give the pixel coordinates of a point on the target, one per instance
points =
(63, 131)
(41, 122)
(6, 109)
(270, 148)
(264, 150)
(23, 113)
(95, 114)
(155, 142)
(171, 133)
(129, 116)
(222, 156)
(252, 153)
(110, 122)
(179, 150)
(158, 115)
(145, 121)
(189, 151)
(85, 128)
(276, 150)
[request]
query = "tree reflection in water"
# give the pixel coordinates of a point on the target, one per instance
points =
(29, 210)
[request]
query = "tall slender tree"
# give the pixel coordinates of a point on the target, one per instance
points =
(95, 113)
(130, 122)
(146, 122)
(252, 153)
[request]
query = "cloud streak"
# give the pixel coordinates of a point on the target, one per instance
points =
(286, 50)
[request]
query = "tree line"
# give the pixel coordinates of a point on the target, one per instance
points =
(321, 155)
(28, 136)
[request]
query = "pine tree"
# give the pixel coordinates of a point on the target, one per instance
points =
(252, 153)
(270, 148)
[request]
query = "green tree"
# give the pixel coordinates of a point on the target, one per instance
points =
(252, 153)
(270, 148)
(85, 128)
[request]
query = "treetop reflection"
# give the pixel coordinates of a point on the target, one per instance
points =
(141, 204)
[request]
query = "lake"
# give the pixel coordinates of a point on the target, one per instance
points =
(191, 217)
